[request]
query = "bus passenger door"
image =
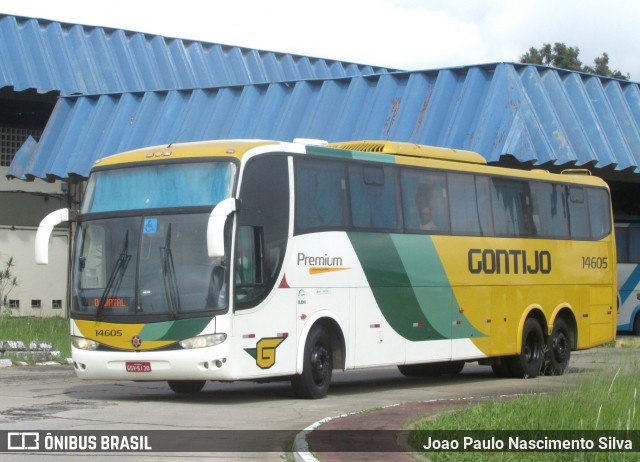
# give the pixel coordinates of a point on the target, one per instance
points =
(264, 312)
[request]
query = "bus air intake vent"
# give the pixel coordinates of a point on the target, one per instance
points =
(411, 150)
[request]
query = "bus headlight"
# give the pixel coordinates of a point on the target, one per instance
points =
(84, 343)
(203, 341)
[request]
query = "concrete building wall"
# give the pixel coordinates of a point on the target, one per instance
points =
(41, 290)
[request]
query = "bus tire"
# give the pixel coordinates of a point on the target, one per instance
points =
(186, 386)
(317, 366)
(528, 363)
(558, 349)
(501, 368)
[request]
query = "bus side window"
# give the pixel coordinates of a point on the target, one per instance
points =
(470, 205)
(633, 255)
(320, 195)
(512, 208)
(622, 244)
(248, 270)
(262, 231)
(578, 213)
(599, 213)
(374, 197)
(425, 201)
(550, 209)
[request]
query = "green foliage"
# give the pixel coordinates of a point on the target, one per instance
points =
(566, 57)
(608, 401)
(8, 281)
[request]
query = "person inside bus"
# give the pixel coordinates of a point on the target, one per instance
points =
(424, 209)
(426, 219)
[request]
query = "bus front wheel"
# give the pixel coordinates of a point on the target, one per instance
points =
(186, 386)
(317, 366)
(529, 362)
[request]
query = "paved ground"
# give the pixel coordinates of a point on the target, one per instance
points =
(52, 398)
(344, 431)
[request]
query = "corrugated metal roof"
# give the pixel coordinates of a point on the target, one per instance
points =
(71, 58)
(537, 114)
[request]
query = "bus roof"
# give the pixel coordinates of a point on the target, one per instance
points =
(413, 154)
(217, 148)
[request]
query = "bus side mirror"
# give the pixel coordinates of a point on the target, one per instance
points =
(44, 233)
(215, 227)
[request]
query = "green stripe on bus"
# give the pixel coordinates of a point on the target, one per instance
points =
(430, 282)
(356, 155)
(410, 285)
(174, 330)
(156, 330)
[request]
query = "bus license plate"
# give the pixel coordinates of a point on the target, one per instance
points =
(138, 366)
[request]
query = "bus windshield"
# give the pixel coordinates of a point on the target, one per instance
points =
(150, 265)
(153, 262)
(159, 186)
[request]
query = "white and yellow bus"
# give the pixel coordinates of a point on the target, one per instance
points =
(257, 260)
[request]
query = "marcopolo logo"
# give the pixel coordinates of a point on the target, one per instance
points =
(503, 261)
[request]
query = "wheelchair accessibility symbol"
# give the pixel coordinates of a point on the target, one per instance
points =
(150, 226)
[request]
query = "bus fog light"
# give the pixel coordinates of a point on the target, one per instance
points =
(84, 343)
(203, 341)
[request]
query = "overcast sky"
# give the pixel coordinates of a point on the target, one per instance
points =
(402, 34)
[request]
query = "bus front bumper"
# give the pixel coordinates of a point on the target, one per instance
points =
(195, 364)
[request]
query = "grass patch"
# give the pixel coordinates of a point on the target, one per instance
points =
(627, 342)
(608, 401)
(52, 330)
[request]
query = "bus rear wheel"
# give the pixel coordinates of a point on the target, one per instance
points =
(528, 363)
(186, 386)
(558, 349)
(317, 366)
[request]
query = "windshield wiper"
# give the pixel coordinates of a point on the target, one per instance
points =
(169, 276)
(115, 278)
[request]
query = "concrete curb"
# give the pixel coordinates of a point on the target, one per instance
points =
(42, 353)
(301, 450)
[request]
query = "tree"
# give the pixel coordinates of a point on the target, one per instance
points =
(566, 57)
(602, 68)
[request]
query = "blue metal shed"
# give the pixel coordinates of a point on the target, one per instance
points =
(77, 59)
(538, 115)
(123, 90)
